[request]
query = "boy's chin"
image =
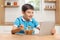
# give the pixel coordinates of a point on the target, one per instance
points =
(30, 18)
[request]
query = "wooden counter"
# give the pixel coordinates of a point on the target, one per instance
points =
(28, 37)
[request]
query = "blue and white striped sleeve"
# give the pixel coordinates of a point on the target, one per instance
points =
(17, 23)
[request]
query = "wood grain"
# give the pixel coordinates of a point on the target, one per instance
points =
(57, 15)
(28, 37)
(2, 12)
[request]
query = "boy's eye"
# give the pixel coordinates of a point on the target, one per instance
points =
(28, 12)
(32, 12)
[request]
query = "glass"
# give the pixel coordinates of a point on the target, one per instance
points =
(28, 30)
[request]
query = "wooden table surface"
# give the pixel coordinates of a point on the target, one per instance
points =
(28, 37)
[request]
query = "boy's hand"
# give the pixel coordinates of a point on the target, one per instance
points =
(21, 27)
(38, 28)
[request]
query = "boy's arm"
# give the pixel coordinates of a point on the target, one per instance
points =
(16, 29)
(38, 27)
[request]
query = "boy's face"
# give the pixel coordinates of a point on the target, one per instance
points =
(28, 13)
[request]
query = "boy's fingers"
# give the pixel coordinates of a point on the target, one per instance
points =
(21, 25)
(38, 28)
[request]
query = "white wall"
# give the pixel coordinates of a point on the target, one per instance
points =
(12, 13)
(41, 16)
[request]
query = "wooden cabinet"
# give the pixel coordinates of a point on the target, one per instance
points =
(8, 6)
(2, 12)
(50, 1)
(57, 15)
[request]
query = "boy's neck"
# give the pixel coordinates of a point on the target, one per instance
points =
(26, 18)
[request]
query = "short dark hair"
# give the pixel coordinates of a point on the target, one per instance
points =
(26, 7)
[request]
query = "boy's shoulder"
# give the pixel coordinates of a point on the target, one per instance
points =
(33, 19)
(20, 17)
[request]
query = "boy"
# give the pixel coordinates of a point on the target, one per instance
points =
(26, 20)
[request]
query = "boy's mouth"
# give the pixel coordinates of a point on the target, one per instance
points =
(30, 16)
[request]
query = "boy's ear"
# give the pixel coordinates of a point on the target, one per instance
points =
(22, 12)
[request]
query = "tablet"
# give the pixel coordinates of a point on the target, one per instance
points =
(46, 27)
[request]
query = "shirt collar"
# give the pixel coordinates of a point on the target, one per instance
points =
(25, 20)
